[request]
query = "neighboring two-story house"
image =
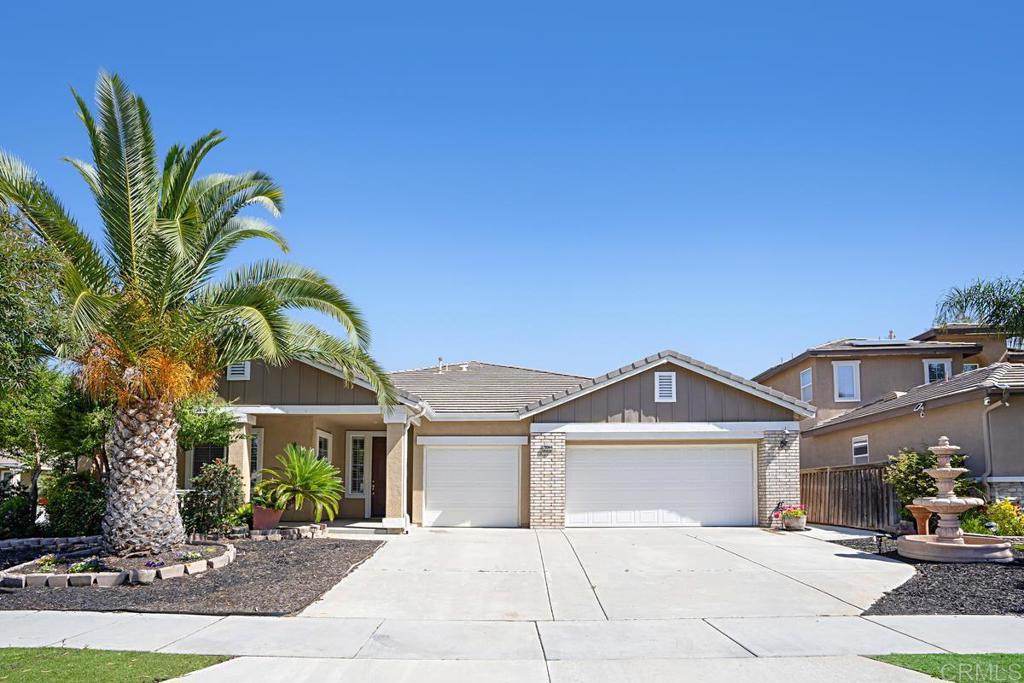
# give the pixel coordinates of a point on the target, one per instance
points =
(874, 397)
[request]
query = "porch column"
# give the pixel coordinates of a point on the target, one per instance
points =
(778, 473)
(397, 422)
(238, 455)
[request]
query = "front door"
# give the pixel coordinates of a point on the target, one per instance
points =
(379, 478)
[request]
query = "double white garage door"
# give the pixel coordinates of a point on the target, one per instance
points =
(606, 486)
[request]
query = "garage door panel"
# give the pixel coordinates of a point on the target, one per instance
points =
(471, 486)
(659, 486)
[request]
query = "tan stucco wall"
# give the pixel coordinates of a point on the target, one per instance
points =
(878, 376)
(961, 422)
(293, 384)
(511, 428)
(992, 347)
(1007, 426)
(698, 399)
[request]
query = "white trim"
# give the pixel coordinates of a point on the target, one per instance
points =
(771, 398)
(662, 431)
(367, 437)
(323, 434)
(308, 410)
(472, 440)
(397, 415)
(232, 375)
(809, 385)
(1004, 480)
(973, 366)
(518, 483)
(947, 362)
(864, 439)
(473, 417)
(257, 434)
(658, 398)
(855, 364)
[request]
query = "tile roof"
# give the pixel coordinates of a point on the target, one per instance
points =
(728, 377)
(1008, 374)
(475, 387)
(859, 346)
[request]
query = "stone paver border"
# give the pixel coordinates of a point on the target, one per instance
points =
(8, 579)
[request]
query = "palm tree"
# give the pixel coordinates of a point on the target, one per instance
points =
(998, 304)
(152, 323)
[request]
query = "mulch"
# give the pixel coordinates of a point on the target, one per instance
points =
(271, 578)
(937, 588)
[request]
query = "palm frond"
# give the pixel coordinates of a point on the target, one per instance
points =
(20, 187)
(993, 303)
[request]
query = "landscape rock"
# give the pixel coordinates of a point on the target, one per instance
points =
(171, 572)
(197, 567)
(109, 579)
(143, 576)
(219, 561)
(33, 580)
(57, 580)
(80, 580)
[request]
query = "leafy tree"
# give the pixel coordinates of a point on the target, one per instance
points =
(215, 495)
(31, 324)
(995, 303)
(47, 422)
(155, 325)
(906, 473)
(205, 419)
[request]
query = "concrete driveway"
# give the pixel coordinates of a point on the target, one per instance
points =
(609, 574)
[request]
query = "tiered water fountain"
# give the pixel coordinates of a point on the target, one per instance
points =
(948, 543)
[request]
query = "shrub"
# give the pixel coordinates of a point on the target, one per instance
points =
(906, 473)
(16, 512)
(1008, 516)
(75, 505)
(241, 516)
(303, 476)
(216, 492)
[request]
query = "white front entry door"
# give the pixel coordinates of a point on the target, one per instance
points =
(471, 486)
(609, 486)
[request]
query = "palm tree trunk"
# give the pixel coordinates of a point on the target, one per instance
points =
(142, 505)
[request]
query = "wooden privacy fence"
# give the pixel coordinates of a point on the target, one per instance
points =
(852, 495)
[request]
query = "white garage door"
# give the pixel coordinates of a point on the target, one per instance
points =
(471, 486)
(659, 486)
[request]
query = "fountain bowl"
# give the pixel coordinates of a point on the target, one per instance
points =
(975, 548)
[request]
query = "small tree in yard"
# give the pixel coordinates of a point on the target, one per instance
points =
(906, 473)
(153, 325)
(216, 493)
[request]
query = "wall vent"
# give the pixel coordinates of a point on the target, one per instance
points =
(664, 387)
(238, 372)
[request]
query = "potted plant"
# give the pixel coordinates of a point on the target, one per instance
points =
(302, 477)
(794, 517)
(266, 509)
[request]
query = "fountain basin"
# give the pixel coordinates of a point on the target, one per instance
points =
(975, 548)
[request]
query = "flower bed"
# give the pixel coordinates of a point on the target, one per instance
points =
(85, 567)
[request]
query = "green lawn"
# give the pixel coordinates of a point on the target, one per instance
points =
(56, 665)
(963, 668)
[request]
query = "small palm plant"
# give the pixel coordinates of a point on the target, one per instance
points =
(303, 476)
(153, 325)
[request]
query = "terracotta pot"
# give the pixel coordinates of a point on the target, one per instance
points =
(794, 523)
(265, 518)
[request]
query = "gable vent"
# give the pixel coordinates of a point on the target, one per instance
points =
(238, 372)
(664, 387)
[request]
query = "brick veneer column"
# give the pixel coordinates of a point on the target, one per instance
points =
(547, 481)
(778, 473)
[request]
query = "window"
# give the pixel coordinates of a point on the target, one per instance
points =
(238, 372)
(861, 450)
(937, 369)
(324, 445)
(806, 382)
(255, 455)
(968, 367)
(356, 465)
(664, 387)
(846, 380)
(198, 457)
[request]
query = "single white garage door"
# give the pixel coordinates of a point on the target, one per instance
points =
(608, 486)
(471, 486)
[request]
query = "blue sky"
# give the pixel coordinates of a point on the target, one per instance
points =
(575, 185)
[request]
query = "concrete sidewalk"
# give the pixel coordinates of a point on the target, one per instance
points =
(577, 650)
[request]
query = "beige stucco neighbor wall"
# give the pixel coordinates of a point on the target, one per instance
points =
(1007, 425)
(428, 428)
(961, 422)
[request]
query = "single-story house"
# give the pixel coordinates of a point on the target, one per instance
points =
(981, 411)
(665, 441)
